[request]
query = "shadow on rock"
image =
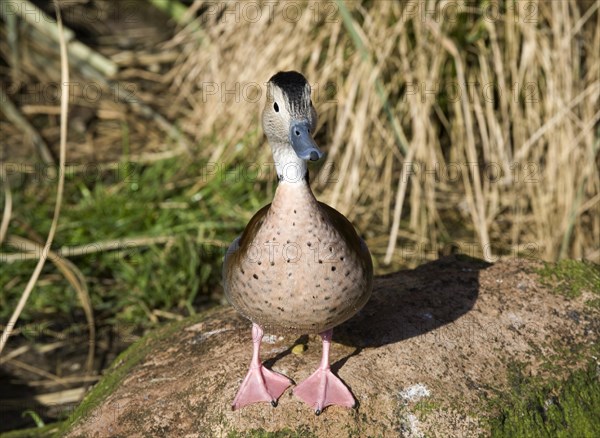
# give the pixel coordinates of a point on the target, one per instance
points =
(413, 302)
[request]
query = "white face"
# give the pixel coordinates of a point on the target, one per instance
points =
(289, 121)
(279, 113)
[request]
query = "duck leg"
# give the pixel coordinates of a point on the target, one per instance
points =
(323, 388)
(260, 384)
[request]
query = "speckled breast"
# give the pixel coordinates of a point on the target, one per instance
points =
(298, 272)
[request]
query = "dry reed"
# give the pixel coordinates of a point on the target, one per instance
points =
(500, 109)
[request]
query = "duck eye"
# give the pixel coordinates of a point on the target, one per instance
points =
(276, 107)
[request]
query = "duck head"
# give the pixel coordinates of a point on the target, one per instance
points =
(289, 120)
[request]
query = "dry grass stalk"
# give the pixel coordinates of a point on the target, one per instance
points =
(7, 210)
(59, 191)
(76, 279)
(14, 116)
(508, 100)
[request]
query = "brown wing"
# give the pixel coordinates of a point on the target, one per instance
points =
(240, 245)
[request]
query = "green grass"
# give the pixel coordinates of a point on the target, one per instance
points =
(200, 211)
(48, 431)
(566, 409)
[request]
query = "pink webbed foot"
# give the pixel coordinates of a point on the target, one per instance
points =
(323, 388)
(260, 384)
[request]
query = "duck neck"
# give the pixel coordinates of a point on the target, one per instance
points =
(290, 168)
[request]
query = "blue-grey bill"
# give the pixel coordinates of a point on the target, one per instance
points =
(303, 143)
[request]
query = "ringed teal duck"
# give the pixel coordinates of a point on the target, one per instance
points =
(299, 265)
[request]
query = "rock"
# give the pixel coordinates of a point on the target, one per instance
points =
(424, 358)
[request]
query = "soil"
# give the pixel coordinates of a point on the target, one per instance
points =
(425, 357)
